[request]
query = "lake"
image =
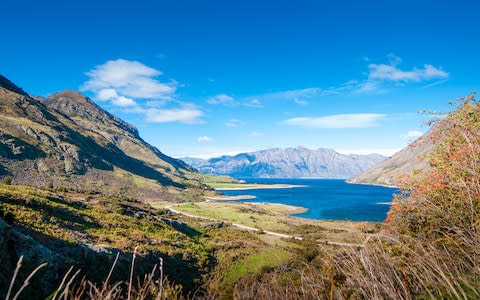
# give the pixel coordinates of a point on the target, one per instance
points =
(326, 199)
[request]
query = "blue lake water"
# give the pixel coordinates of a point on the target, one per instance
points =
(326, 199)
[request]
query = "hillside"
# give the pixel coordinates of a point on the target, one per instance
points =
(402, 164)
(68, 141)
(296, 162)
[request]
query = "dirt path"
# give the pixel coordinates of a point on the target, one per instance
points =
(240, 226)
(253, 229)
(322, 243)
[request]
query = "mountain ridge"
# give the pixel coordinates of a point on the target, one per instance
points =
(68, 141)
(394, 170)
(297, 162)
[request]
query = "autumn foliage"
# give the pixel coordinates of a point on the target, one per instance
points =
(441, 204)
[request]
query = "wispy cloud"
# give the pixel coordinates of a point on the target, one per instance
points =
(255, 134)
(413, 134)
(187, 114)
(204, 139)
(438, 82)
(135, 88)
(226, 100)
(379, 79)
(393, 73)
(299, 96)
(222, 99)
(254, 103)
(234, 123)
(337, 121)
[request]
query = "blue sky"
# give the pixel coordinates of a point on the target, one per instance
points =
(204, 78)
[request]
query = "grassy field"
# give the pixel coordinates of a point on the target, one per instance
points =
(82, 222)
(275, 217)
(255, 262)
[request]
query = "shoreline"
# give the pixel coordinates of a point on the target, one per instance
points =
(288, 209)
(259, 187)
(230, 198)
(292, 211)
(374, 184)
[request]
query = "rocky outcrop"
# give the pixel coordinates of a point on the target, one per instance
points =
(68, 141)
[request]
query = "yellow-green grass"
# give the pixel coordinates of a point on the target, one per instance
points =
(245, 214)
(79, 218)
(274, 217)
(139, 181)
(209, 178)
(276, 241)
(256, 262)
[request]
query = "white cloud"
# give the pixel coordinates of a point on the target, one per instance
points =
(226, 100)
(135, 88)
(123, 101)
(298, 94)
(393, 73)
(234, 123)
(187, 114)
(106, 94)
(367, 87)
(222, 99)
(337, 121)
(204, 139)
(438, 82)
(379, 79)
(383, 76)
(128, 78)
(300, 101)
(255, 134)
(254, 103)
(413, 134)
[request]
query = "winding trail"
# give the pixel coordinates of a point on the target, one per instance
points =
(321, 243)
(240, 226)
(253, 229)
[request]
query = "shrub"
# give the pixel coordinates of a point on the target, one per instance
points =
(7, 180)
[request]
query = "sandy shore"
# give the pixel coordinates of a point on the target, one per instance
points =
(282, 208)
(230, 198)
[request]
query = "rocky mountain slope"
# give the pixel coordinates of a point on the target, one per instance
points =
(296, 162)
(68, 141)
(393, 170)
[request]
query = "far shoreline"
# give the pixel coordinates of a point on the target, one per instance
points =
(259, 187)
(374, 184)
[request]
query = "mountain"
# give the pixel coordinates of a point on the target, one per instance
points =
(67, 141)
(296, 162)
(403, 163)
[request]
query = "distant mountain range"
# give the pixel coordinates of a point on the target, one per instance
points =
(68, 141)
(298, 162)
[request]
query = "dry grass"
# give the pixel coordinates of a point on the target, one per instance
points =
(151, 286)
